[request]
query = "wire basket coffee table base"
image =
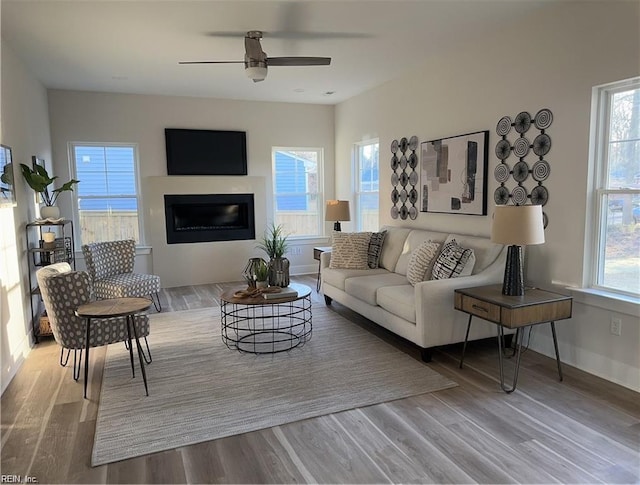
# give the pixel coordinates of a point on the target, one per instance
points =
(268, 327)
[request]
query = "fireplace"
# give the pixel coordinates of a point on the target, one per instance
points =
(209, 217)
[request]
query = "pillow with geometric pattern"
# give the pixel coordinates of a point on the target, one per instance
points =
(421, 262)
(349, 250)
(453, 261)
(375, 249)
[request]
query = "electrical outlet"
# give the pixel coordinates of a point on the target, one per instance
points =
(616, 325)
(295, 251)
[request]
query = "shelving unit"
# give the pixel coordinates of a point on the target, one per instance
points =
(62, 249)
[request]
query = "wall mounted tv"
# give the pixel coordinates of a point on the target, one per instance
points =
(206, 152)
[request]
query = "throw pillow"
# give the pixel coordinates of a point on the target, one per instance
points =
(421, 262)
(349, 250)
(451, 261)
(375, 249)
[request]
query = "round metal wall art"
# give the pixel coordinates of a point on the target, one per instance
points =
(404, 162)
(540, 169)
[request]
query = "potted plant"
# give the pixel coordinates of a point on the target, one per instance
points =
(274, 243)
(262, 274)
(39, 180)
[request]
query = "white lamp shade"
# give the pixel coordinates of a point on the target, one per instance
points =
(337, 210)
(520, 225)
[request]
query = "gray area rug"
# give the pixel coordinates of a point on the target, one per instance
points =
(199, 390)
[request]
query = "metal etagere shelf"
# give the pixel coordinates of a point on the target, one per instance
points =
(42, 253)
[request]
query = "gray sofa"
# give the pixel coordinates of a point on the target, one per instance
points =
(424, 313)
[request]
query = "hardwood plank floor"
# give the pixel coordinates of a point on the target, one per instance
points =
(581, 430)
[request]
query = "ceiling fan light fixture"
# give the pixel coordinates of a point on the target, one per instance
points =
(257, 73)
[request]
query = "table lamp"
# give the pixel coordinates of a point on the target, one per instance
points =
(517, 226)
(337, 210)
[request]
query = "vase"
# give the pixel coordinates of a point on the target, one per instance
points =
(249, 272)
(49, 212)
(279, 272)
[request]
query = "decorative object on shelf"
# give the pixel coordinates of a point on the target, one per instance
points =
(517, 226)
(250, 271)
(7, 191)
(274, 243)
(404, 158)
(522, 147)
(262, 274)
(453, 174)
(39, 180)
(337, 210)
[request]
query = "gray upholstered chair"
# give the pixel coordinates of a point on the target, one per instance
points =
(63, 291)
(110, 265)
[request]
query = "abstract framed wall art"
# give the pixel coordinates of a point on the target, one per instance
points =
(453, 174)
(7, 189)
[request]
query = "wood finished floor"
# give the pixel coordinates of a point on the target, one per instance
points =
(583, 430)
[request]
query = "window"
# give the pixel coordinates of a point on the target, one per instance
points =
(617, 188)
(107, 195)
(367, 186)
(297, 186)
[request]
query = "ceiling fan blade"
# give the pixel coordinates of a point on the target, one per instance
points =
(211, 62)
(298, 61)
(257, 80)
(294, 35)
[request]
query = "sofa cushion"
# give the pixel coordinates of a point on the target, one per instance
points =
(349, 250)
(337, 277)
(399, 300)
(421, 261)
(484, 250)
(414, 239)
(451, 261)
(392, 247)
(365, 287)
(375, 249)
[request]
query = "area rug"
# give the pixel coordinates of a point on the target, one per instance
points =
(199, 390)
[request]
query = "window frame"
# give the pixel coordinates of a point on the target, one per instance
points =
(597, 204)
(319, 194)
(357, 147)
(136, 169)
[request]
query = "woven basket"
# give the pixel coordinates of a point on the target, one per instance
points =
(45, 325)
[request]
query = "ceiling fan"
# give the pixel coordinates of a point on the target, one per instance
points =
(256, 60)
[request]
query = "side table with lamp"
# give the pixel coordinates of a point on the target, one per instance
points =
(513, 305)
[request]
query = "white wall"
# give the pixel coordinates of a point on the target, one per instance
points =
(551, 60)
(104, 117)
(25, 128)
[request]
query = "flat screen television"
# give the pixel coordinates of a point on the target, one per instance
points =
(206, 152)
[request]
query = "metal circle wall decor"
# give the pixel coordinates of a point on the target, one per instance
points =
(503, 149)
(542, 144)
(504, 126)
(502, 172)
(521, 147)
(539, 195)
(404, 163)
(545, 219)
(543, 119)
(522, 122)
(540, 169)
(520, 171)
(501, 195)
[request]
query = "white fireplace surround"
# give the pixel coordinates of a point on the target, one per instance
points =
(200, 263)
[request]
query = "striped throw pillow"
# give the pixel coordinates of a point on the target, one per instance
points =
(451, 261)
(375, 249)
(349, 250)
(421, 262)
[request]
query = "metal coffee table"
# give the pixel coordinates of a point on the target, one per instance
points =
(259, 326)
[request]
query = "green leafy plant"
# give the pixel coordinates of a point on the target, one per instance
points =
(262, 271)
(274, 241)
(39, 180)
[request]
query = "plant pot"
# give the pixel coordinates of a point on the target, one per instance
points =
(249, 272)
(262, 284)
(49, 212)
(279, 272)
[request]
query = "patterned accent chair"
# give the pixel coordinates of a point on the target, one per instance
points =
(110, 265)
(63, 291)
